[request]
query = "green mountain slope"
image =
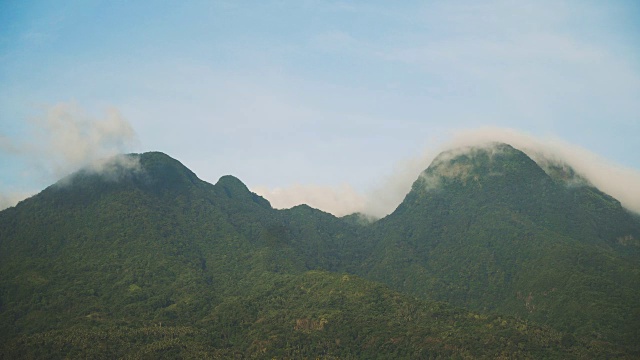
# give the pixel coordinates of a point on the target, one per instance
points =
(141, 247)
(489, 230)
(310, 315)
(152, 262)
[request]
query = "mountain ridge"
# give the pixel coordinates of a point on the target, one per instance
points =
(155, 244)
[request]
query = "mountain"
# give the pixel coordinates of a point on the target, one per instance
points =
(146, 260)
(488, 229)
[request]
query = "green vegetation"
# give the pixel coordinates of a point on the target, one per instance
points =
(500, 235)
(487, 257)
(314, 314)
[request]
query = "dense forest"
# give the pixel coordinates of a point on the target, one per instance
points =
(490, 255)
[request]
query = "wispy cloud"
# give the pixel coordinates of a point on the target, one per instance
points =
(64, 138)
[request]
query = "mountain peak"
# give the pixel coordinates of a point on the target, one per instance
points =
(235, 189)
(159, 163)
(473, 164)
(154, 172)
(162, 172)
(230, 180)
(494, 173)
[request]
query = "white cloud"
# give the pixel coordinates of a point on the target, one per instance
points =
(64, 139)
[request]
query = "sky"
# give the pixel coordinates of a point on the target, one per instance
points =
(339, 104)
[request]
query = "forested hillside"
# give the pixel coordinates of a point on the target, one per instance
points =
(488, 256)
(490, 230)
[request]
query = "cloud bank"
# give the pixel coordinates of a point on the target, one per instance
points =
(618, 181)
(63, 139)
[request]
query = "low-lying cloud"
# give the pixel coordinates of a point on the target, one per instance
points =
(64, 138)
(618, 181)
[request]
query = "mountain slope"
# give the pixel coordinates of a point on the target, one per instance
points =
(314, 314)
(150, 261)
(490, 230)
(141, 246)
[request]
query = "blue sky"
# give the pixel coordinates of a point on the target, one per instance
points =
(322, 100)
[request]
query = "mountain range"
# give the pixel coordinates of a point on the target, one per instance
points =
(490, 255)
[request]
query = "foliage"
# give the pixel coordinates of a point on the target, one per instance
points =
(157, 263)
(498, 234)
